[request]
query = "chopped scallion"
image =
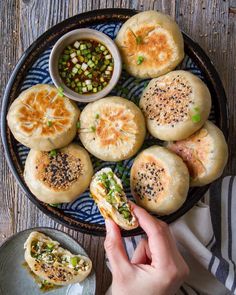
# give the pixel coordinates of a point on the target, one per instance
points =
(140, 60)
(53, 153)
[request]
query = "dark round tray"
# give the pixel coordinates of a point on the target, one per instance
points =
(197, 62)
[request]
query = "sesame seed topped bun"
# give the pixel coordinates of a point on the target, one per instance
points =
(59, 176)
(151, 44)
(159, 180)
(205, 153)
(175, 105)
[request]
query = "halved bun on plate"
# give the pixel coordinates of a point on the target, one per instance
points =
(175, 105)
(43, 120)
(151, 44)
(50, 262)
(159, 180)
(107, 191)
(59, 176)
(112, 128)
(205, 153)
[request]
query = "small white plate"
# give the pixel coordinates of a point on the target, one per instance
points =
(15, 278)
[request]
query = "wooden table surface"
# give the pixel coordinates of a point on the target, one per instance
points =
(210, 23)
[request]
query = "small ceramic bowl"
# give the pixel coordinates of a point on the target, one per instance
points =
(83, 34)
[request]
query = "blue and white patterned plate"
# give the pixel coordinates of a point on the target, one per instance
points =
(83, 214)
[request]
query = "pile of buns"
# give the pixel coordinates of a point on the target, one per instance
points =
(174, 107)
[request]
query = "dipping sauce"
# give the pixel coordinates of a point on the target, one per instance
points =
(86, 66)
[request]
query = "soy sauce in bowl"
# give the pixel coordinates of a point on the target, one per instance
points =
(86, 66)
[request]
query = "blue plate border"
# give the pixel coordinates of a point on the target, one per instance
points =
(191, 48)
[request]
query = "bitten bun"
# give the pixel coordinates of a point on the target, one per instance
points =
(50, 262)
(107, 191)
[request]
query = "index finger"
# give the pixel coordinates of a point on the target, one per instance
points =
(159, 236)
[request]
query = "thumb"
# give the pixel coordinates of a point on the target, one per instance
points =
(114, 248)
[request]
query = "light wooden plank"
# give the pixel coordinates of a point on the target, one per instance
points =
(210, 23)
(9, 35)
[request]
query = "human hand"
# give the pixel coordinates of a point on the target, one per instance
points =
(156, 268)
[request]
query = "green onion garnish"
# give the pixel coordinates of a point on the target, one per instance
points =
(85, 60)
(93, 128)
(60, 91)
(145, 84)
(78, 124)
(196, 118)
(49, 123)
(74, 261)
(140, 60)
(97, 116)
(138, 39)
(53, 153)
(50, 246)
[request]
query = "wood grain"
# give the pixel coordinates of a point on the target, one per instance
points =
(210, 23)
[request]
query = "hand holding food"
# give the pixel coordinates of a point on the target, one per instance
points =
(156, 267)
(49, 261)
(107, 191)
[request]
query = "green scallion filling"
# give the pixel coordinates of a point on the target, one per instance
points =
(115, 194)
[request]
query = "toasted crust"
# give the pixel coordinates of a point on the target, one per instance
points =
(106, 209)
(159, 180)
(61, 178)
(205, 153)
(112, 128)
(55, 273)
(154, 36)
(41, 119)
(172, 103)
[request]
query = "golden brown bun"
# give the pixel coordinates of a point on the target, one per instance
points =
(99, 194)
(41, 119)
(57, 273)
(60, 178)
(205, 153)
(112, 128)
(175, 105)
(159, 180)
(156, 38)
